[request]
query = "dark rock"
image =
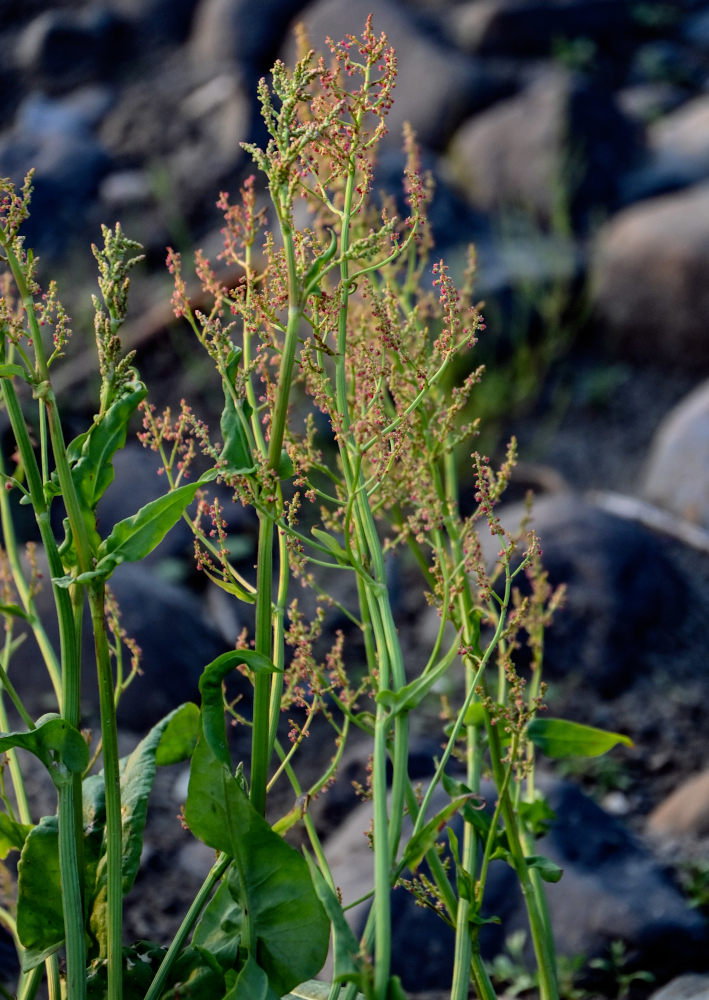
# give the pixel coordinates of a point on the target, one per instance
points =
(157, 22)
(612, 889)
(561, 146)
(68, 170)
(63, 49)
(531, 27)
(169, 625)
(624, 598)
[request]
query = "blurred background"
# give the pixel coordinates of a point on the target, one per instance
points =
(569, 141)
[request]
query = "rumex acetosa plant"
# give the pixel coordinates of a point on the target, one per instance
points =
(345, 360)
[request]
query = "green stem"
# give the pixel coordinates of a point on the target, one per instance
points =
(262, 735)
(114, 828)
(157, 987)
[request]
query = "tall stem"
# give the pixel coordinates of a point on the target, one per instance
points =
(261, 732)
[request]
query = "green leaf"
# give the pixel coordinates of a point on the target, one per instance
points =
(8, 371)
(537, 816)
(332, 545)
(93, 472)
(12, 834)
(288, 930)
(251, 984)
(220, 927)
(179, 737)
(210, 686)
(15, 611)
(546, 868)
(135, 537)
(40, 917)
(236, 450)
(61, 748)
(411, 695)
(560, 738)
(429, 834)
(475, 714)
(346, 949)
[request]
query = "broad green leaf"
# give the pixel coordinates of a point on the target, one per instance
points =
(61, 748)
(179, 737)
(210, 686)
(93, 472)
(135, 537)
(40, 918)
(251, 984)
(220, 927)
(346, 947)
(549, 871)
(475, 714)
(196, 975)
(560, 738)
(12, 834)
(287, 924)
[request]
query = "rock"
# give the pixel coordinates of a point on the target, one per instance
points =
(78, 113)
(612, 889)
(524, 28)
(69, 167)
(678, 152)
(622, 598)
(677, 473)
(689, 987)
(434, 102)
(168, 624)
(648, 283)
(558, 147)
(685, 811)
(186, 123)
(239, 33)
(63, 49)
(157, 22)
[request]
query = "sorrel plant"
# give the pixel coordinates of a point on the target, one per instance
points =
(346, 361)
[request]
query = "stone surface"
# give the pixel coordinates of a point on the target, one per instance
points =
(168, 623)
(556, 150)
(521, 27)
(677, 473)
(611, 889)
(648, 282)
(685, 811)
(62, 49)
(623, 593)
(689, 987)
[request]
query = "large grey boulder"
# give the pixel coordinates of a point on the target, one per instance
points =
(556, 150)
(677, 471)
(648, 282)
